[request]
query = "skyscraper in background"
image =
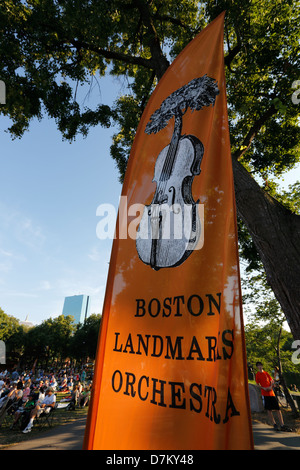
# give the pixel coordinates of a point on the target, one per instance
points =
(78, 306)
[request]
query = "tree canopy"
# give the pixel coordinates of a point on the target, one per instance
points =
(50, 343)
(49, 48)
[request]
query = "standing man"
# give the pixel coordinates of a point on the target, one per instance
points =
(265, 381)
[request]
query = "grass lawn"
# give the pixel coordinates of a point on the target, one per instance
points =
(61, 416)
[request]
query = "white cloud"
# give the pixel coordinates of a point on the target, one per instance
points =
(45, 285)
(94, 254)
(6, 253)
(21, 294)
(5, 266)
(29, 233)
(20, 227)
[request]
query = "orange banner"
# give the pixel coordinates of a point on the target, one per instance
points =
(170, 367)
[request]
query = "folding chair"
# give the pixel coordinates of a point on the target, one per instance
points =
(46, 417)
(3, 411)
(8, 409)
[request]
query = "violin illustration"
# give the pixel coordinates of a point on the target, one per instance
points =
(170, 226)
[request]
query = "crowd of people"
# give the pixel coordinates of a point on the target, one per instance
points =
(30, 393)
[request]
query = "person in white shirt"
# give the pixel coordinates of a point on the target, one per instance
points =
(43, 407)
(41, 396)
(53, 382)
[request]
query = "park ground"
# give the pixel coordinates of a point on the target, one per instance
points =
(10, 437)
(289, 420)
(62, 416)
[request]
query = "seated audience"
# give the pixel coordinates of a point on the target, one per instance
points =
(44, 407)
(26, 406)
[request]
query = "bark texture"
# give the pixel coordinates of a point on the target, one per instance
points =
(276, 232)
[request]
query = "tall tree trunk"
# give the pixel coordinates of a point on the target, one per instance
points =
(275, 231)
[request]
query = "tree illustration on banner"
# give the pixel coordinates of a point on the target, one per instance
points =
(170, 227)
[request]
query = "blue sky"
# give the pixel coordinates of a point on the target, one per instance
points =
(49, 194)
(50, 190)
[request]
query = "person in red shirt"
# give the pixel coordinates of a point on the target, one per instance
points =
(265, 381)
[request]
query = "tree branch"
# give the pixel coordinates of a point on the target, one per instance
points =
(158, 60)
(254, 131)
(115, 55)
(231, 55)
(170, 19)
(232, 52)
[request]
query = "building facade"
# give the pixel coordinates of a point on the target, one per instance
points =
(78, 306)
